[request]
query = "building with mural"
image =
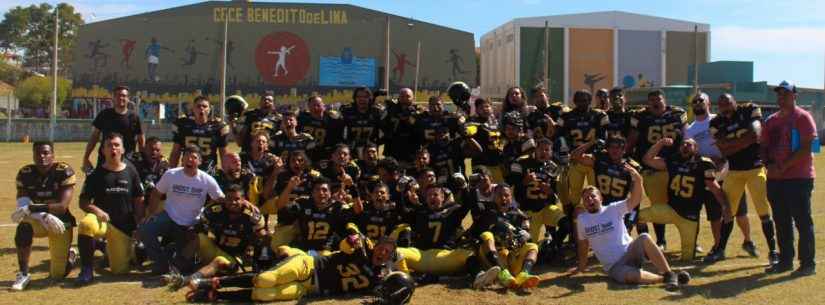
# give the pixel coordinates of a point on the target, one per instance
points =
(591, 51)
(282, 47)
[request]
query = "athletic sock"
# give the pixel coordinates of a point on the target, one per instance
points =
(86, 247)
(768, 231)
(727, 228)
(241, 280)
(660, 233)
(527, 266)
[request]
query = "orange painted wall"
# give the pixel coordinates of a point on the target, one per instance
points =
(591, 53)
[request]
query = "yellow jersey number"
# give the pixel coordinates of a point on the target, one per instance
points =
(683, 186)
(376, 231)
(205, 144)
(317, 230)
(436, 227)
(351, 278)
(361, 134)
(655, 133)
(737, 134)
(614, 187)
(318, 133)
(580, 137)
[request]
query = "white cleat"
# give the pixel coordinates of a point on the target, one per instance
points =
(487, 278)
(21, 282)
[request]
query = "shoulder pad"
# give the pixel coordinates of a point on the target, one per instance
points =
(707, 160)
(306, 136)
(216, 208)
(677, 109)
(471, 129)
(27, 169)
(313, 173)
(461, 119)
(558, 104)
(217, 120)
(334, 114)
(599, 111)
(528, 145)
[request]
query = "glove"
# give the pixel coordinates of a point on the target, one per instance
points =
(53, 224)
(20, 213)
(23, 201)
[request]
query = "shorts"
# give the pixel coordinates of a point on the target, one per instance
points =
(631, 262)
(153, 59)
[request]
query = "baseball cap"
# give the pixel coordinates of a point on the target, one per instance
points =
(785, 85)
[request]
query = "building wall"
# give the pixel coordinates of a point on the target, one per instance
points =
(640, 59)
(591, 59)
(681, 47)
(532, 59)
(329, 46)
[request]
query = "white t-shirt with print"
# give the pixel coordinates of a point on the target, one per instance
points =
(185, 195)
(606, 232)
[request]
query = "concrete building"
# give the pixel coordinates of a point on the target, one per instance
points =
(591, 51)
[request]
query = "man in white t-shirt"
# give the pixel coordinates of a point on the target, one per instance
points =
(602, 229)
(186, 189)
(699, 130)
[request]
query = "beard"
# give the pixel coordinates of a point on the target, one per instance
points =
(699, 111)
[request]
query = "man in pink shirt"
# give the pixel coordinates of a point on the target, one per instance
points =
(790, 179)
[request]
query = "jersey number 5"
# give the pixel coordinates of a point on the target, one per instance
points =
(205, 144)
(683, 186)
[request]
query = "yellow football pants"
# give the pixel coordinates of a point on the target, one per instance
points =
(58, 247)
(655, 186)
(288, 280)
(209, 252)
(688, 229)
(756, 180)
(283, 236)
(549, 215)
(576, 175)
(514, 262)
(118, 244)
(436, 261)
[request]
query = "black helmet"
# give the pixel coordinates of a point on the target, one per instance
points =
(505, 235)
(459, 92)
(235, 106)
(396, 289)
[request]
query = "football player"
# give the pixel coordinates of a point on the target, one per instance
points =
(447, 155)
(656, 121)
(581, 125)
(379, 217)
(485, 130)
(688, 176)
(264, 119)
(210, 135)
(618, 114)
(112, 198)
(300, 274)
(434, 118)
(517, 144)
(362, 120)
(340, 166)
(44, 190)
(736, 130)
(324, 125)
(515, 101)
(297, 165)
(399, 127)
(542, 121)
(233, 173)
(150, 163)
(259, 160)
(224, 234)
(288, 138)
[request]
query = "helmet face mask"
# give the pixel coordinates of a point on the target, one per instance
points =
(235, 106)
(396, 289)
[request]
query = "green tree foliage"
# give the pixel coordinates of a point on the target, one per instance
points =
(11, 74)
(36, 91)
(30, 30)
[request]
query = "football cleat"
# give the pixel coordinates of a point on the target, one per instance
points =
(749, 247)
(202, 295)
(683, 277)
(715, 255)
(486, 278)
(671, 281)
(86, 277)
(506, 279)
(525, 280)
(21, 281)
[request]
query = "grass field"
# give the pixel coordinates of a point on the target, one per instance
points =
(737, 280)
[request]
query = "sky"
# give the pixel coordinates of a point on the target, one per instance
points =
(785, 39)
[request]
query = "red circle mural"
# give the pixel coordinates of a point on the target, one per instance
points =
(282, 58)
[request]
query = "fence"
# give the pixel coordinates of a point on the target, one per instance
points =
(68, 130)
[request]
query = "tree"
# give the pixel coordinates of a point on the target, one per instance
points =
(36, 91)
(30, 31)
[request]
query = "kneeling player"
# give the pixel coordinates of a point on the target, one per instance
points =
(505, 242)
(231, 224)
(300, 274)
(44, 190)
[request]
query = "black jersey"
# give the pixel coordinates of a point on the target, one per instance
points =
(321, 229)
(511, 216)
(114, 193)
(344, 273)
(736, 126)
(45, 188)
(517, 149)
(612, 179)
(149, 171)
(446, 158)
(332, 172)
(686, 184)
(377, 223)
(261, 167)
(652, 128)
(281, 144)
(361, 128)
(438, 229)
(619, 125)
(209, 137)
(327, 131)
(530, 196)
(302, 191)
(255, 121)
(246, 179)
(427, 124)
(488, 135)
(538, 119)
(232, 233)
(580, 127)
(401, 140)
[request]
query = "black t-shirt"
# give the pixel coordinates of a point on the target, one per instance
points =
(128, 125)
(114, 192)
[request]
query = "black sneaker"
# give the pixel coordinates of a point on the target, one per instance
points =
(749, 247)
(683, 277)
(804, 271)
(202, 296)
(86, 277)
(671, 281)
(773, 258)
(779, 268)
(714, 256)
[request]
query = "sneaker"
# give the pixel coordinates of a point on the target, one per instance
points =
(671, 281)
(506, 279)
(86, 277)
(72, 259)
(714, 256)
(21, 281)
(804, 271)
(779, 268)
(525, 280)
(773, 258)
(202, 296)
(699, 249)
(174, 280)
(749, 247)
(486, 278)
(683, 277)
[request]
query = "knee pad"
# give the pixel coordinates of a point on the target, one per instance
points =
(24, 235)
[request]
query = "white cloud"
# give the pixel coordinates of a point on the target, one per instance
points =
(780, 41)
